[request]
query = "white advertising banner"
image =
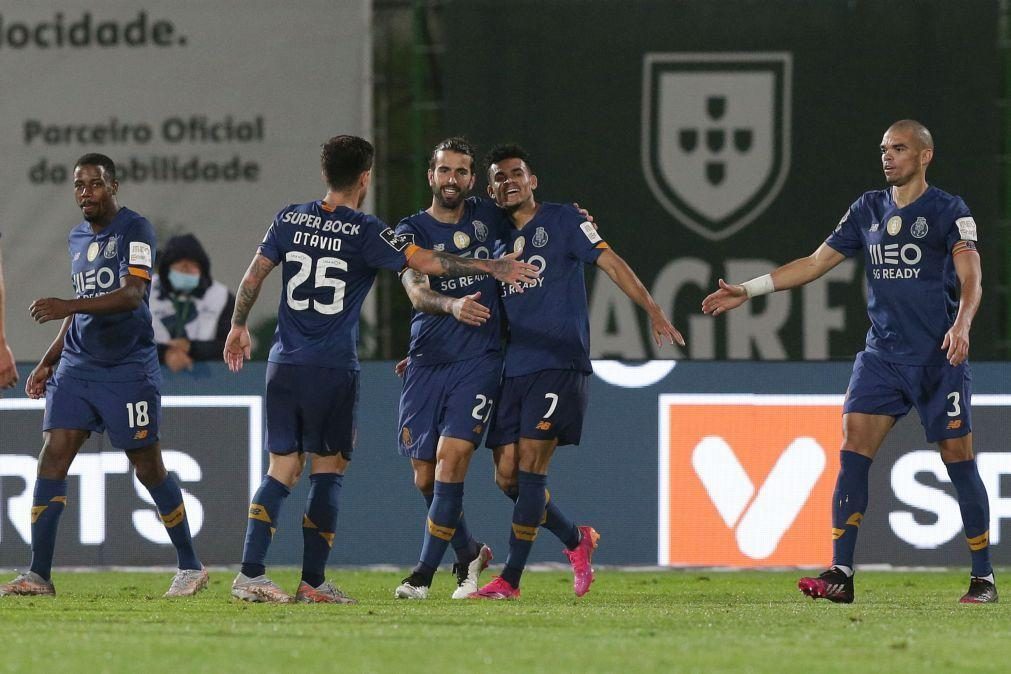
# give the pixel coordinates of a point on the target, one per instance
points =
(214, 113)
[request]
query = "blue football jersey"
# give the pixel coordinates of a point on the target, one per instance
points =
(112, 347)
(328, 262)
(549, 327)
(912, 288)
(441, 338)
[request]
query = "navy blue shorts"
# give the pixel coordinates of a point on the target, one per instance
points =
(454, 400)
(128, 411)
(940, 393)
(541, 406)
(311, 409)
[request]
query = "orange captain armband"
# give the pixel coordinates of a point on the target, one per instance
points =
(963, 247)
(139, 271)
(411, 250)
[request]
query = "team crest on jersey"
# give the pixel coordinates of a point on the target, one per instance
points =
(93, 251)
(461, 240)
(919, 228)
(480, 231)
(894, 225)
(540, 238)
(110, 248)
(716, 135)
(398, 242)
(519, 244)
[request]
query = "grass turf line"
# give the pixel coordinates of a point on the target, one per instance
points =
(682, 621)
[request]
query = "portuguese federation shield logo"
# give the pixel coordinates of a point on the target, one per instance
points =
(716, 135)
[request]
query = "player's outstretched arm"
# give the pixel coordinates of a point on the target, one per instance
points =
(465, 309)
(506, 269)
(970, 275)
(238, 345)
(790, 275)
(127, 297)
(35, 386)
(614, 266)
(8, 369)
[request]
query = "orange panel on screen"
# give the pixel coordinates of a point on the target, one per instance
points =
(749, 479)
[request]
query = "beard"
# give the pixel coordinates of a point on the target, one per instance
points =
(449, 202)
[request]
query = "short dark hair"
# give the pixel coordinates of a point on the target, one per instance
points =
(96, 159)
(457, 144)
(506, 151)
(343, 159)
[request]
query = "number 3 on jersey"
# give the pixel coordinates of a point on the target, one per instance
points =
(323, 265)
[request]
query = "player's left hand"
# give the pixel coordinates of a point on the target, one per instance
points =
(469, 311)
(664, 331)
(35, 387)
(514, 272)
(49, 309)
(8, 368)
(729, 296)
(180, 343)
(178, 360)
(238, 347)
(956, 343)
(401, 367)
(585, 214)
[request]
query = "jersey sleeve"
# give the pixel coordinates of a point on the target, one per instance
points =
(270, 247)
(383, 248)
(961, 236)
(419, 237)
(584, 242)
(846, 238)
(137, 253)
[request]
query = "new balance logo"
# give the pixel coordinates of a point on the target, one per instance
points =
(759, 517)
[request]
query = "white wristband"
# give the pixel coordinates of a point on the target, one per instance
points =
(759, 286)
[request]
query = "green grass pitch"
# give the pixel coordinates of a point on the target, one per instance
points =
(679, 621)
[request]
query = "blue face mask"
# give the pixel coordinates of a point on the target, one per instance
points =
(182, 282)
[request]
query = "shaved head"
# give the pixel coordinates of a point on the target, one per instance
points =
(919, 132)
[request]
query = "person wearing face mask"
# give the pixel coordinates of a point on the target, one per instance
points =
(191, 312)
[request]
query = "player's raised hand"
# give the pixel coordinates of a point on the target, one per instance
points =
(664, 331)
(514, 272)
(956, 343)
(8, 368)
(401, 367)
(49, 309)
(35, 386)
(729, 296)
(238, 347)
(585, 214)
(469, 311)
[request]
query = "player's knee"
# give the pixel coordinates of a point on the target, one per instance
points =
(53, 465)
(424, 482)
(55, 459)
(507, 483)
(149, 469)
(954, 453)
